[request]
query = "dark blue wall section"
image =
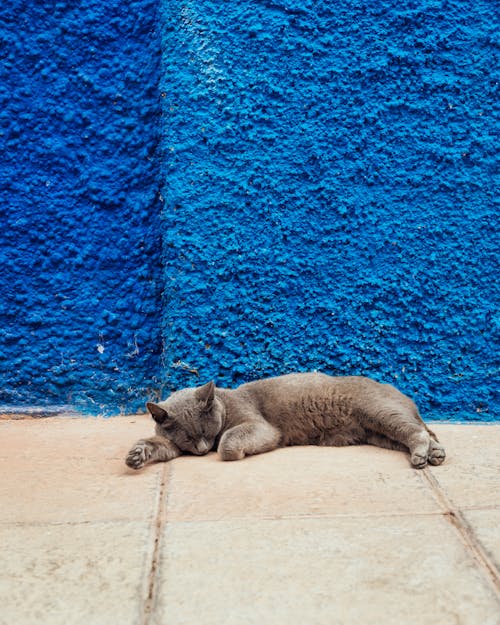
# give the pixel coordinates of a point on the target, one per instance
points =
(80, 254)
(330, 194)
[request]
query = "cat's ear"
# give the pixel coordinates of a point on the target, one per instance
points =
(205, 394)
(158, 414)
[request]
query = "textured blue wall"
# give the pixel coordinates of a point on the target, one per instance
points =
(328, 188)
(80, 253)
(330, 194)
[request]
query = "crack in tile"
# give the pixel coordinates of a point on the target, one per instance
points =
(456, 518)
(159, 520)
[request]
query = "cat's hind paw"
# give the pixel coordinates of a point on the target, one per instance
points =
(418, 460)
(437, 453)
(138, 456)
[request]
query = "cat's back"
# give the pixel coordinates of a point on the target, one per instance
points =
(288, 392)
(315, 408)
(304, 406)
(316, 395)
(300, 384)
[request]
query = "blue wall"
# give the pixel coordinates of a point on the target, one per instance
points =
(80, 254)
(329, 194)
(293, 185)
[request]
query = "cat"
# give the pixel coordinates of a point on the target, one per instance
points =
(293, 409)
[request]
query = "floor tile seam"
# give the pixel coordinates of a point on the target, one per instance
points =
(51, 523)
(139, 521)
(305, 516)
(131, 520)
(466, 532)
(152, 576)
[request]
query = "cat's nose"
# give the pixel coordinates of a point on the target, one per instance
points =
(202, 446)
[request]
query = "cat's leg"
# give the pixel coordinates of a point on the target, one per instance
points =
(418, 442)
(437, 454)
(380, 440)
(404, 425)
(413, 438)
(148, 450)
(248, 438)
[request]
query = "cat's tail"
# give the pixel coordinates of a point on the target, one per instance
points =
(429, 431)
(431, 434)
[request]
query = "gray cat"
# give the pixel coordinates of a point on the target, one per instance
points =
(294, 409)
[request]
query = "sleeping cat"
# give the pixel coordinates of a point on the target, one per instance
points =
(294, 409)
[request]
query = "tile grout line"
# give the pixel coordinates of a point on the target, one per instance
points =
(148, 605)
(304, 516)
(466, 532)
(268, 517)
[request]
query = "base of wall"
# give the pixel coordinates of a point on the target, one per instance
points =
(37, 412)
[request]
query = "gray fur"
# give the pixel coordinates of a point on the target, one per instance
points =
(294, 409)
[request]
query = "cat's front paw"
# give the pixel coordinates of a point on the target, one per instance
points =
(231, 454)
(138, 455)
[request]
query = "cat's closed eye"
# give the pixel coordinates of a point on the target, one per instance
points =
(187, 439)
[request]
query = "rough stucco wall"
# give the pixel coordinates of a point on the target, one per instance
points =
(80, 254)
(329, 195)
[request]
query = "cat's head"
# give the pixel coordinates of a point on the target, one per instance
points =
(190, 418)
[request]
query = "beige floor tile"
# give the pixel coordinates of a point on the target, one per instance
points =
(80, 574)
(297, 481)
(73, 470)
(75, 490)
(485, 525)
(355, 571)
(73, 437)
(471, 472)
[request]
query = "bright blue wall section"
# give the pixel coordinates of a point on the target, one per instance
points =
(80, 278)
(330, 194)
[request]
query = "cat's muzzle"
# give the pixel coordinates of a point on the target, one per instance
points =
(202, 447)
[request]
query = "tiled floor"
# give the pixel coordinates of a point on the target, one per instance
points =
(305, 535)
